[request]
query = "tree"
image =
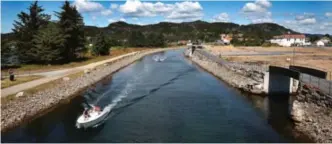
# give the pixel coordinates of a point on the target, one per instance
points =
(72, 27)
(314, 38)
(49, 44)
(154, 40)
(101, 46)
(9, 56)
(26, 28)
(136, 39)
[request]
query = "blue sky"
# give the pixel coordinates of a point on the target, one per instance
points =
(302, 16)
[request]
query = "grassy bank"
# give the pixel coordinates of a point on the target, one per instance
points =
(32, 68)
(18, 80)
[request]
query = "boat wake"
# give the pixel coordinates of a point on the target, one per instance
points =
(128, 88)
(151, 91)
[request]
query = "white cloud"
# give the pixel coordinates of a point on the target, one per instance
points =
(87, 6)
(264, 3)
(185, 11)
(91, 7)
(111, 20)
(122, 19)
(135, 19)
(258, 12)
(328, 14)
(114, 6)
(180, 10)
(222, 17)
(252, 7)
(106, 12)
(307, 21)
(262, 20)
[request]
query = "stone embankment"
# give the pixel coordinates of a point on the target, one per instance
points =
(243, 77)
(28, 107)
(312, 113)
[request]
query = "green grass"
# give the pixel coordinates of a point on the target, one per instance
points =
(18, 80)
(47, 85)
(115, 51)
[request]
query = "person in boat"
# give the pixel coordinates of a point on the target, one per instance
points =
(86, 113)
(97, 109)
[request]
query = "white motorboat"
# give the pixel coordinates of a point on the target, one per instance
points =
(159, 58)
(92, 117)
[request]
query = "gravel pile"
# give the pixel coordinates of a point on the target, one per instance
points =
(27, 107)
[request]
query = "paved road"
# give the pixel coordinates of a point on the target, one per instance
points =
(53, 75)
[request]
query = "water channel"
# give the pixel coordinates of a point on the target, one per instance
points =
(169, 101)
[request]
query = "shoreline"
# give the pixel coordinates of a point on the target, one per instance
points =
(33, 106)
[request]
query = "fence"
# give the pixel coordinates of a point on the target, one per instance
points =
(321, 84)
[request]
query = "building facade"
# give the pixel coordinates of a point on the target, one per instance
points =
(290, 40)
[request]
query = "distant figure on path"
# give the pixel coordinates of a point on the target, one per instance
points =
(11, 75)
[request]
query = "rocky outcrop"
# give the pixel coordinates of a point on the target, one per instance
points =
(311, 94)
(244, 78)
(27, 107)
(313, 120)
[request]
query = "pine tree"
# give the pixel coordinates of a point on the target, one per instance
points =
(137, 39)
(49, 43)
(26, 28)
(72, 26)
(101, 46)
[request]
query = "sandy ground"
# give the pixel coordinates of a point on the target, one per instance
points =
(318, 58)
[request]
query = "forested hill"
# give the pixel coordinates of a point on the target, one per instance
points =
(191, 30)
(185, 31)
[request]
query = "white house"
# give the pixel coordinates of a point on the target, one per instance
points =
(323, 41)
(289, 40)
(320, 43)
(225, 39)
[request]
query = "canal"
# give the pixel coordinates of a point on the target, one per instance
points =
(169, 101)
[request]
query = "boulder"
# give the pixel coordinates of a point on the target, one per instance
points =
(19, 94)
(259, 86)
(66, 79)
(297, 112)
(87, 71)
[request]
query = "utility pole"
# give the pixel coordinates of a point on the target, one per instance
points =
(293, 55)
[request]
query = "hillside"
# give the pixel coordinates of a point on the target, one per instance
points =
(187, 30)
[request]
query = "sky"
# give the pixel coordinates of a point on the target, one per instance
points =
(303, 16)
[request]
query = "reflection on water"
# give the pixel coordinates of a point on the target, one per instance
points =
(169, 101)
